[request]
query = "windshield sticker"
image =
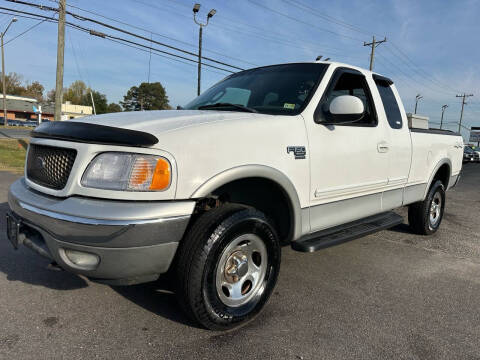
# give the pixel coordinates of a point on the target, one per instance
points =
(289, 106)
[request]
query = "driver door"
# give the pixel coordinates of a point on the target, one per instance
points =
(348, 162)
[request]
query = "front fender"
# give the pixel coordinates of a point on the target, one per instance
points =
(261, 171)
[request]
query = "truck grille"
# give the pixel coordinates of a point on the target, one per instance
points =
(50, 166)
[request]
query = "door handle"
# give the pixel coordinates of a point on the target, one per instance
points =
(382, 147)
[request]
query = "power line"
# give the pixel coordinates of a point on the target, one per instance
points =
(83, 18)
(408, 76)
(155, 33)
(76, 59)
(301, 21)
(25, 14)
(104, 35)
(163, 56)
(162, 51)
(409, 62)
(238, 27)
(291, 43)
(420, 71)
(331, 19)
(24, 32)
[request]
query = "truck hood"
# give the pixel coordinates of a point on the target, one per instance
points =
(162, 121)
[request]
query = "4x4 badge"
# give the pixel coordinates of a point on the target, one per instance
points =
(298, 151)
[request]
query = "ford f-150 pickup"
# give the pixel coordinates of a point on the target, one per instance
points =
(303, 154)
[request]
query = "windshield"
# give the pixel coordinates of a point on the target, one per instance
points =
(279, 89)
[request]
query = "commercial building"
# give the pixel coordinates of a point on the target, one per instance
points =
(69, 110)
(20, 108)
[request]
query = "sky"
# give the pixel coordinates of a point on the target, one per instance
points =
(432, 46)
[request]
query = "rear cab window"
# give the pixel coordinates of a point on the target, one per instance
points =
(392, 111)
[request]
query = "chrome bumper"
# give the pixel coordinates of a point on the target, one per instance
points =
(134, 241)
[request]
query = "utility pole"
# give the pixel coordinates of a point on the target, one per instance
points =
(418, 97)
(3, 76)
(196, 9)
(373, 45)
(443, 110)
(60, 57)
(464, 96)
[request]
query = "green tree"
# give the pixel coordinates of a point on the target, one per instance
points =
(113, 107)
(99, 99)
(34, 90)
(147, 96)
(13, 84)
(76, 92)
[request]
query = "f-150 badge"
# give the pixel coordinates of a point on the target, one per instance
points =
(298, 151)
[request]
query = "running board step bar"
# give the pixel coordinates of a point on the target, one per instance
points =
(343, 233)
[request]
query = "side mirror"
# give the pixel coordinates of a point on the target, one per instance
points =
(344, 109)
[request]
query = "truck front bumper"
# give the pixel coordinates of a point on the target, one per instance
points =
(115, 242)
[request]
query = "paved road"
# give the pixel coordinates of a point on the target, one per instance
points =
(15, 133)
(389, 295)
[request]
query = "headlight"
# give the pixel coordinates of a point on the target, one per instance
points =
(130, 172)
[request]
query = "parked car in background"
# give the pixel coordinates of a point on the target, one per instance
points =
(210, 193)
(470, 155)
(13, 122)
(476, 149)
(26, 123)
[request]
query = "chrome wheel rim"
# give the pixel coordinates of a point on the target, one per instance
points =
(241, 270)
(435, 209)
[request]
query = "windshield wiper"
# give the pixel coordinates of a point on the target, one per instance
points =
(227, 105)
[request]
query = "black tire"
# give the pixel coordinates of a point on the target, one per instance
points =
(198, 259)
(419, 213)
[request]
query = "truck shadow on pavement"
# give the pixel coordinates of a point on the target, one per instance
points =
(25, 266)
(157, 297)
(402, 228)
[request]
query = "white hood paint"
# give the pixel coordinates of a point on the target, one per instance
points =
(161, 121)
(205, 143)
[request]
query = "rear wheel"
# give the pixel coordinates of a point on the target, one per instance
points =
(227, 266)
(426, 216)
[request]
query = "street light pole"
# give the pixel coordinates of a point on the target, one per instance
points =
(3, 75)
(443, 110)
(199, 74)
(418, 97)
(196, 9)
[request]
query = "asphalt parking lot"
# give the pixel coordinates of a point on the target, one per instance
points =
(15, 133)
(388, 295)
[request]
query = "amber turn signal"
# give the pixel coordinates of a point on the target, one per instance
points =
(161, 175)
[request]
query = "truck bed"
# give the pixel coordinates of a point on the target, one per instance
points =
(429, 147)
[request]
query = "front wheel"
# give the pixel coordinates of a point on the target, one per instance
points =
(227, 266)
(425, 217)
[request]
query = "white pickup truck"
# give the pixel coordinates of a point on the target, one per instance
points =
(305, 154)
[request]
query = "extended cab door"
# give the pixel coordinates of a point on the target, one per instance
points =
(399, 142)
(348, 162)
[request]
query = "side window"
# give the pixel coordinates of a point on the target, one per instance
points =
(350, 83)
(390, 104)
